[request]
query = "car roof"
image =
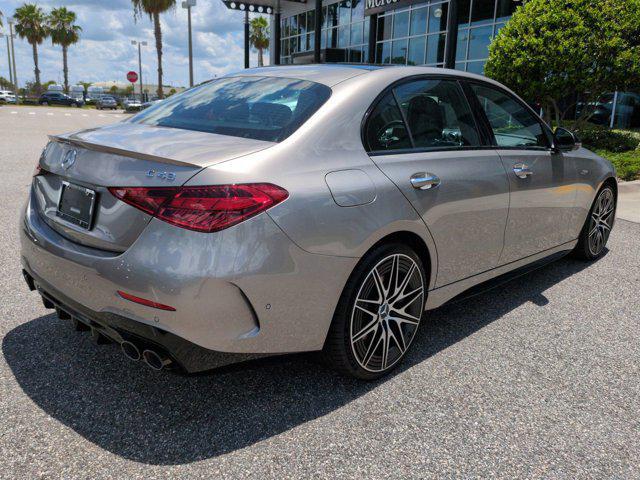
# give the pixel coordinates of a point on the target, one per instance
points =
(327, 74)
(332, 74)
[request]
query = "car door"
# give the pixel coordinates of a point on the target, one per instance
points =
(423, 136)
(541, 180)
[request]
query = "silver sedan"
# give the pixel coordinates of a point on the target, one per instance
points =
(304, 208)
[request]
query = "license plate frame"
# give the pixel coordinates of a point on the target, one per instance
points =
(77, 206)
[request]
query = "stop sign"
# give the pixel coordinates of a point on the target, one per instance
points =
(132, 77)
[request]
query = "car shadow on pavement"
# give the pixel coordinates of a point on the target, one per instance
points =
(164, 419)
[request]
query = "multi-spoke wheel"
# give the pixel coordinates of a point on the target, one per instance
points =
(379, 313)
(597, 228)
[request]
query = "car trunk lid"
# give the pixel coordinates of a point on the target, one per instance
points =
(120, 155)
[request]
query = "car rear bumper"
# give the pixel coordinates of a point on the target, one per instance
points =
(247, 289)
(184, 356)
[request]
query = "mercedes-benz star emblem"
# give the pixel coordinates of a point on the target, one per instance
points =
(69, 159)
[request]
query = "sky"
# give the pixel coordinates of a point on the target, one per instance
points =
(105, 52)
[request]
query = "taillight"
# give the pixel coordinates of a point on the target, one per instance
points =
(203, 209)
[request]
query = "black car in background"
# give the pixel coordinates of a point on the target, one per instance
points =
(59, 98)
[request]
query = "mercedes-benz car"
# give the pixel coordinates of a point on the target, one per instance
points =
(304, 208)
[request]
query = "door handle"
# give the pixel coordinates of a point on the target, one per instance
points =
(424, 180)
(522, 170)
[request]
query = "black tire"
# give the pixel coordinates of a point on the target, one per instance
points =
(597, 228)
(387, 328)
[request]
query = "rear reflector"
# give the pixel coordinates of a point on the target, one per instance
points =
(144, 301)
(203, 208)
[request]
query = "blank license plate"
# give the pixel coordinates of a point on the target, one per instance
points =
(76, 204)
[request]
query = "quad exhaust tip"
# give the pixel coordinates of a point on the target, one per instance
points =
(130, 351)
(155, 360)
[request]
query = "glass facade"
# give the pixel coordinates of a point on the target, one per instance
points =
(415, 35)
(478, 22)
(345, 30)
(407, 35)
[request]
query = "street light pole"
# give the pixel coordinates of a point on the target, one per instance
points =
(13, 59)
(188, 4)
(140, 45)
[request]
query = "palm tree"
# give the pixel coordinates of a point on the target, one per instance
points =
(259, 37)
(31, 24)
(64, 33)
(154, 8)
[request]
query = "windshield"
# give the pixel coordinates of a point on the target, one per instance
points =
(261, 108)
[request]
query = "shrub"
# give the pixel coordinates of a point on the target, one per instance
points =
(600, 138)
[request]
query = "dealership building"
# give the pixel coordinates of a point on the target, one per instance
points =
(439, 33)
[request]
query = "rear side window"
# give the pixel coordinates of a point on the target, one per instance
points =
(386, 129)
(513, 125)
(438, 114)
(422, 114)
(261, 108)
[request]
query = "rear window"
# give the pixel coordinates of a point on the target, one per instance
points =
(261, 108)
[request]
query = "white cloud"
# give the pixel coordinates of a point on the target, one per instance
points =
(105, 51)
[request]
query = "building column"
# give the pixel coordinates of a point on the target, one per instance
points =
(246, 39)
(318, 32)
(373, 33)
(452, 36)
(276, 38)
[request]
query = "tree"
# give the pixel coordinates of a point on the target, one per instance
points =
(154, 8)
(86, 85)
(113, 90)
(259, 37)
(46, 85)
(6, 84)
(64, 33)
(554, 50)
(31, 24)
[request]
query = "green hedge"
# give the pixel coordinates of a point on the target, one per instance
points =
(627, 163)
(599, 138)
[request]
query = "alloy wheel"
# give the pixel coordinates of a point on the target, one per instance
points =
(387, 312)
(601, 221)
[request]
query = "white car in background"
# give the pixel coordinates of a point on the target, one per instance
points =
(7, 96)
(132, 105)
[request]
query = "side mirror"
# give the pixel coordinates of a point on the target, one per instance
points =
(565, 140)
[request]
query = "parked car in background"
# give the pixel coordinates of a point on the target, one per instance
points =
(77, 92)
(54, 87)
(105, 102)
(7, 96)
(94, 93)
(306, 208)
(150, 103)
(132, 105)
(58, 98)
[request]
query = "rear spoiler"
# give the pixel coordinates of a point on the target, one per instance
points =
(77, 142)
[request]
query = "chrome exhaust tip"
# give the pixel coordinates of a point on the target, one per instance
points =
(155, 360)
(130, 351)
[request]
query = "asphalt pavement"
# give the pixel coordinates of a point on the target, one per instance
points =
(539, 378)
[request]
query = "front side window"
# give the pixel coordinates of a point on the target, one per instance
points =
(513, 125)
(437, 114)
(261, 108)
